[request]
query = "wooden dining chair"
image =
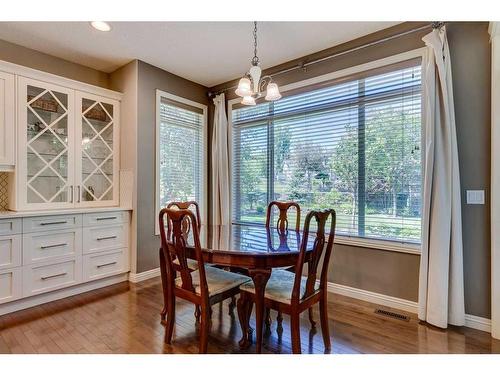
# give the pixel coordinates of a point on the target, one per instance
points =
(282, 222)
(292, 293)
(204, 286)
(282, 226)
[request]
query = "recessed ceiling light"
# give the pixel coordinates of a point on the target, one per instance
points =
(100, 25)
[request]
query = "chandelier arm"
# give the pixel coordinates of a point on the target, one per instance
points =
(264, 81)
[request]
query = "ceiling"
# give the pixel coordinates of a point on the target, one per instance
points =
(208, 53)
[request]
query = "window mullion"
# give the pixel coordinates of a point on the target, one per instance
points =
(270, 154)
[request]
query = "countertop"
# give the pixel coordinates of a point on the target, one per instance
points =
(13, 214)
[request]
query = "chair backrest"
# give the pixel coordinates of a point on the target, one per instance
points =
(185, 206)
(282, 223)
(174, 246)
(316, 252)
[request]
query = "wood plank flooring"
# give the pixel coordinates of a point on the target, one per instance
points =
(124, 318)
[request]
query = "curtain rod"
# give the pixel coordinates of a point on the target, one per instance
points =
(304, 65)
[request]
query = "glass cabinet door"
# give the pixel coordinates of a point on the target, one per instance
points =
(47, 144)
(98, 150)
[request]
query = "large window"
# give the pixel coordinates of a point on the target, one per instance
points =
(352, 145)
(180, 147)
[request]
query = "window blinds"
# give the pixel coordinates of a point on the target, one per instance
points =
(352, 145)
(181, 151)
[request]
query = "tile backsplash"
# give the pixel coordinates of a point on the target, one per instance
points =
(4, 201)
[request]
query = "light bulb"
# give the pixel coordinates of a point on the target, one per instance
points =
(244, 88)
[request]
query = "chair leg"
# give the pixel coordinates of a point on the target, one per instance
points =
(267, 320)
(205, 326)
(279, 320)
(170, 319)
(232, 305)
(197, 313)
(295, 328)
(311, 318)
(323, 314)
(163, 273)
(244, 321)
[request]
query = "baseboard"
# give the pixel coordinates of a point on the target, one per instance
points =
(478, 322)
(138, 277)
(471, 321)
(28, 302)
(377, 298)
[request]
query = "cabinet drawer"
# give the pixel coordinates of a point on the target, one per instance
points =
(105, 218)
(44, 278)
(45, 223)
(10, 226)
(99, 265)
(39, 247)
(10, 251)
(10, 284)
(104, 238)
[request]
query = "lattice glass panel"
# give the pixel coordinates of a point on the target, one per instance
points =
(47, 145)
(97, 150)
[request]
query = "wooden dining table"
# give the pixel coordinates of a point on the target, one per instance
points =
(255, 248)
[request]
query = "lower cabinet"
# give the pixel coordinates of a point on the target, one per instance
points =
(43, 254)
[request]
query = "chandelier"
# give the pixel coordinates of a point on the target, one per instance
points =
(252, 85)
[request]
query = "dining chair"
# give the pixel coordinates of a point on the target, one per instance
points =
(292, 293)
(282, 226)
(204, 286)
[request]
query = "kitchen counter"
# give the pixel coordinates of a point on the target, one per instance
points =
(12, 214)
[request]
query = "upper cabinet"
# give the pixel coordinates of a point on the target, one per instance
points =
(97, 149)
(7, 122)
(68, 147)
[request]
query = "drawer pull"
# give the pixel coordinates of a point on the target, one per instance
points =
(106, 218)
(55, 245)
(106, 264)
(52, 276)
(54, 222)
(106, 238)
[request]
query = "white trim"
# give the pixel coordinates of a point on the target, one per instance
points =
(495, 179)
(58, 80)
(376, 298)
(204, 180)
(138, 277)
(25, 303)
(400, 247)
(478, 322)
(471, 321)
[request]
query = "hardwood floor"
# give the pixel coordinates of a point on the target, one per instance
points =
(125, 318)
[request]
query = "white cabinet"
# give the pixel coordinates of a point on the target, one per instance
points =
(68, 147)
(97, 146)
(7, 118)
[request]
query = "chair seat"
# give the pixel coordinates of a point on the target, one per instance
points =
(192, 264)
(280, 285)
(218, 280)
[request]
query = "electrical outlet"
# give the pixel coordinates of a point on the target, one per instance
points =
(475, 196)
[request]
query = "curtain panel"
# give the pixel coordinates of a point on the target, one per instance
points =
(441, 282)
(221, 210)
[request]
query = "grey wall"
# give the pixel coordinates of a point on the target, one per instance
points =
(151, 78)
(471, 69)
(38, 60)
(396, 274)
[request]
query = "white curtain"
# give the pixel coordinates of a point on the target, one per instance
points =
(441, 282)
(220, 164)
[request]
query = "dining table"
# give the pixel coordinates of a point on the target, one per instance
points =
(257, 249)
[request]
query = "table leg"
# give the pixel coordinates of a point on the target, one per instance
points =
(260, 278)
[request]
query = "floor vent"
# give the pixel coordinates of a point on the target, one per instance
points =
(393, 315)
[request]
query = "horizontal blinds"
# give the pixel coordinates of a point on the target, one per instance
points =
(353, 146)
(181, 151)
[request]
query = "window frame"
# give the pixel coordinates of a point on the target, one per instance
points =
(397, 246)
(204, 178)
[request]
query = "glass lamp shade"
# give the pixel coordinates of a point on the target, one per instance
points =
(248, 100)
(273, 92)
(244, 87)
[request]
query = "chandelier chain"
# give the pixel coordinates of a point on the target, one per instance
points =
(255, 59)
